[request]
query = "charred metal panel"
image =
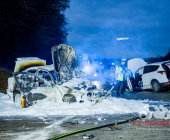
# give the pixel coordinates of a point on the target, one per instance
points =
(65, 62)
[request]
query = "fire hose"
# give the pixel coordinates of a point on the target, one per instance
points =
(97, 127)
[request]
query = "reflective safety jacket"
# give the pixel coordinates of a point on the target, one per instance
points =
(119, 73)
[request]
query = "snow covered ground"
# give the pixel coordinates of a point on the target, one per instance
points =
(43, 108)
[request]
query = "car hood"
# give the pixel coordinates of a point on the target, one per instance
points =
(65, 61)
(135, 63)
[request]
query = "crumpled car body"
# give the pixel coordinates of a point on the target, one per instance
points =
(60, 82)
(32, 88)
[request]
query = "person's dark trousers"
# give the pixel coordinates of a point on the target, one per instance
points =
(123, 87)
(124, 84)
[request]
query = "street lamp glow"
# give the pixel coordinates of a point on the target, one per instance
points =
(123, 38)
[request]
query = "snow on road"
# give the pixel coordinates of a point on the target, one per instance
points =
(113, 106)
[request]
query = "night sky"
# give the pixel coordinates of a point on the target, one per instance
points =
(96, 24)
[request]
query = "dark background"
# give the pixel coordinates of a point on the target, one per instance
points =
(29, 28)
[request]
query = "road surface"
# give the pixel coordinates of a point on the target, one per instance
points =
(27, 127)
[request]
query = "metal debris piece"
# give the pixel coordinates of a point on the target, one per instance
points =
(73, 122)
(81, 101)
(88, 136)
(63, 125)
(111, 128)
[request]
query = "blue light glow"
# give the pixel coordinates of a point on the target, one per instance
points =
(53, 74)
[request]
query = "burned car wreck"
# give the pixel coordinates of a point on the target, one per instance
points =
(61, 82)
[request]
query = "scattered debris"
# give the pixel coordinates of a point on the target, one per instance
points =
(73, 122)
(88, 136)
(99, 119)
(112, 127)
(63, 125)
(120, 137)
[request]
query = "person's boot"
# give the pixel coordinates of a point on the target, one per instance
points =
(117, 95)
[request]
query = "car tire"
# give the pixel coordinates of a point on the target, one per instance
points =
(156, 86)
(72, 99)
(17, 99)
(69, 98)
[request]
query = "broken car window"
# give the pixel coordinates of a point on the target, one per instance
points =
(44, 75)
(32, 71)
(41, 82)
(27, 80)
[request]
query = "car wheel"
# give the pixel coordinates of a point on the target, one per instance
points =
(156, 86)
(17, 99)
(69, 98)
(72, 99)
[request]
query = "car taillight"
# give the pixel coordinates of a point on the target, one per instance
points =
(161, 72)
(7, 83)
(166, 83)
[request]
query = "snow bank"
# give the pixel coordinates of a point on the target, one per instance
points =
(112, 106)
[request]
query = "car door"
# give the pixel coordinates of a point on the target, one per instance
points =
(146, 76)
(134, 81)
(133, 65)
(36, 89)
(29, 81)
(138, 78)
(28, 84)
(35, 92)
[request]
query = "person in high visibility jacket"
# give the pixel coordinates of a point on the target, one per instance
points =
(121, 77)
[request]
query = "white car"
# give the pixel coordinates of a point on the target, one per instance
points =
(153, 76)
(34, 80)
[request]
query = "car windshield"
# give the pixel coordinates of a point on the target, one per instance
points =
(45, 75)
(53, 74)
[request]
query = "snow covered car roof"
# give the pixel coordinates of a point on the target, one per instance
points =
(47, 67)
(24, 63)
